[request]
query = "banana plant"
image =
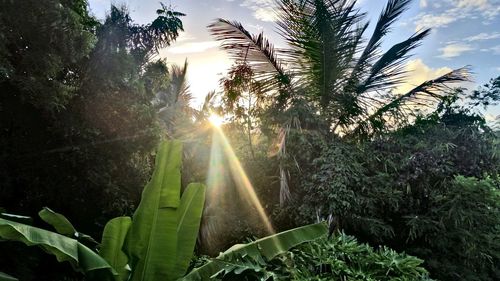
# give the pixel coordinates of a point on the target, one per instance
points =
(156, 244)
(63, 248)
(265, 248)
(162, 236)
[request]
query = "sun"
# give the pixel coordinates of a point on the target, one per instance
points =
(215, 120)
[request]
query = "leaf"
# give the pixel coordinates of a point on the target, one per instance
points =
(267, 247)
(17, 218)
(152, 240)
(60, 223)
(64, 248)
(6, 277)
(113, 238)
(188, 224)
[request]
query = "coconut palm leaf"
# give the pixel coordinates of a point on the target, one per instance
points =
(389, 70)
(424, 95)
(389, 15)
(256, 50)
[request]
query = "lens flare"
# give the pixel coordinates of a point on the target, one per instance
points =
(221, 146)
(215, 120)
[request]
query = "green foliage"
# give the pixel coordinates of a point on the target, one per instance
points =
(161, 239)
(111, 250)
(338, 258)
(234, 259)
(157, 243)
(64, 248)
(6, 277)
(77, 119)
(404, 190)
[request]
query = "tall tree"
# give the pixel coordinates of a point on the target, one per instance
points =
(330, 78)
(78, 123)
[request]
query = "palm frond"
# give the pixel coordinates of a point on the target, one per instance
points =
(424, 95)
(255, 50)
(323, 36)
(389, 15)
(389, 71)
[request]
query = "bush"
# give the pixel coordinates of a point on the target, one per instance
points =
(339, 258)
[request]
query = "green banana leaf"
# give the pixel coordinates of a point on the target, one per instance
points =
(6, 277)
(17, 218)
(63, 226)
(267, 247)
(188, 225)
(60, 223)
(113, 238)
(151, 243)
(64, 248)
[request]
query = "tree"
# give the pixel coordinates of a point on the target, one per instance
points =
(79, 123)
(329, 79)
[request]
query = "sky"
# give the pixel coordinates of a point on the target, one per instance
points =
(464, 32)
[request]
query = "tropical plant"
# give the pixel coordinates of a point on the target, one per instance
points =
(260, 250)
(156, 244)
(330, 78)
(404, 190)
(340, 257)
(86, 107)
(65, 249)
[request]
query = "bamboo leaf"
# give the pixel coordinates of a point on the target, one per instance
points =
(113, 238)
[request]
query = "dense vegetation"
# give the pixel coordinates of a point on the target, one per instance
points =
(330, 147)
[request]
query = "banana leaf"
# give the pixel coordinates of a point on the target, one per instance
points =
(17, 218)
(63, 226)
(113, 238)
(264, 248)
(188, 225)
(6, 277)
(60, 223)
(62, 247)
(151, 244)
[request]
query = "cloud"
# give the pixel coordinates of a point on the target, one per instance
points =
(264, 10)
(184, 37)
(496, 49)
(455, 10)
(483, 36)
(419, 72)
(193, 47)
(434, 21)
(454, 50)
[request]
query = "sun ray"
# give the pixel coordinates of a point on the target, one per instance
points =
(220, 144)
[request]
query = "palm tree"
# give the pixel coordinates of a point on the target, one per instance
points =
(346, 83)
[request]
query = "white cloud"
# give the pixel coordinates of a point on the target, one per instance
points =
(454, 50)
(481, 4)
(454, 10)
(193, 47)
(264, 10)
(184, 37)
(423, 3)
(433, 21)
(483, 36)
(496, 49)
(419, 72)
